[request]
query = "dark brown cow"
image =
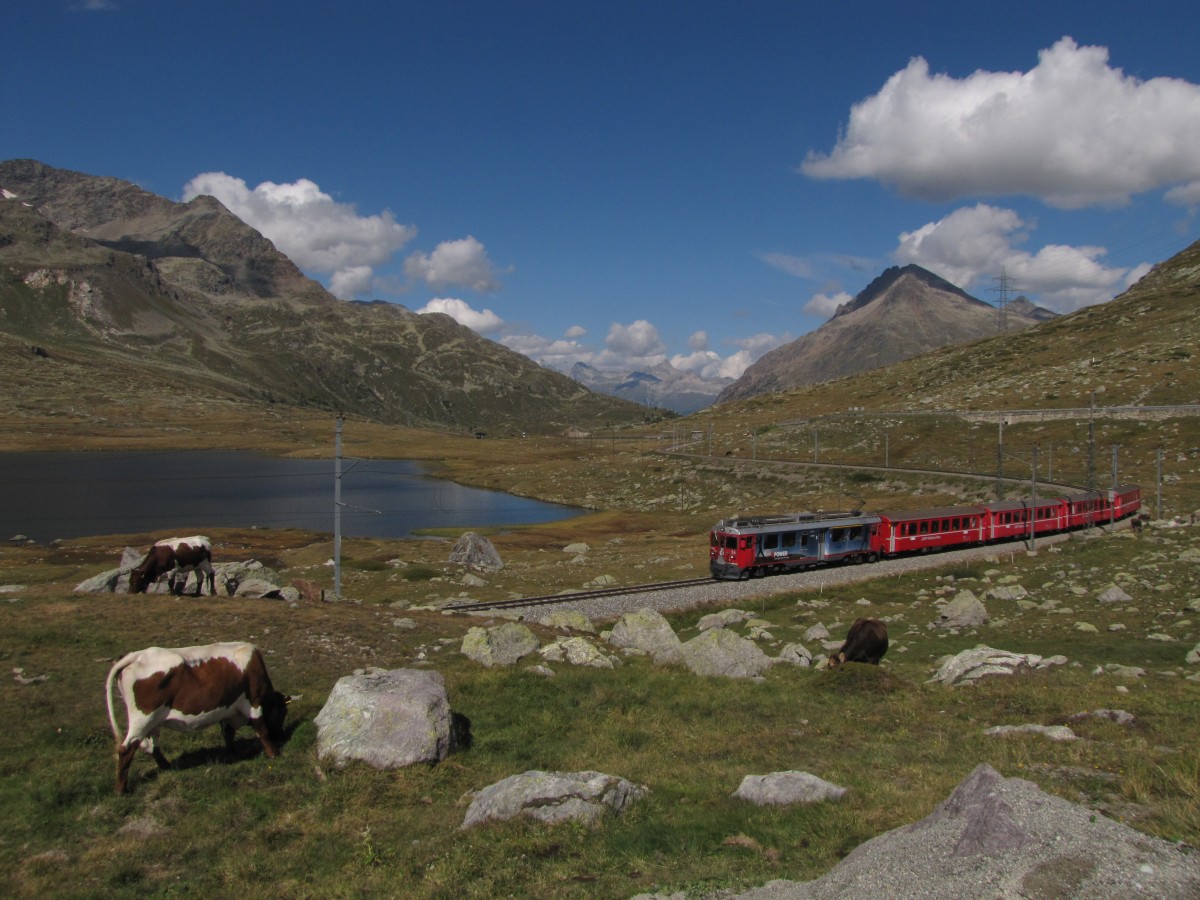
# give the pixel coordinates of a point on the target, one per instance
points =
(866, 642)
(189, 688)
(175, 555)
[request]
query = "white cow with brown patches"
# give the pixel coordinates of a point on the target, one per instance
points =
(188, 688)
(175, 556)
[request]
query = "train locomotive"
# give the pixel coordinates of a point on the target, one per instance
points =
(751, 546)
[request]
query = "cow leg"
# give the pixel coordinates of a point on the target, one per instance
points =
(150, 745)
(227, 732)
(171, 582)
(125, 756)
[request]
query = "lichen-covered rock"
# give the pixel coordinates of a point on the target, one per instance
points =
(983, 661)
(723, 619)
(721, 652)
(1054, 732)
(476, 552)
(786, 788)
(646, 630)
(796, 654)
(577, 651)
(503, 645)
(385, 719)
(570, 619)
(553, 797)
(1113, 594)
(964, 611)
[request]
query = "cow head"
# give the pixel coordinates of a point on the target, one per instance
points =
(836, 660)
(274, 711)
(138, 580)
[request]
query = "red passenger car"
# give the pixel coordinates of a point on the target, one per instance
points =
(928, 529)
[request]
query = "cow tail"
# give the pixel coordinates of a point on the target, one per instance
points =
(118, 666)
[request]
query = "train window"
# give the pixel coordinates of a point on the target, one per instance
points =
(856, 533)
(731, 543)
(923, 528)
(789, 539)
(770, 541)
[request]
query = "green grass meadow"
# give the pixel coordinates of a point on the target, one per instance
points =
(295, 827)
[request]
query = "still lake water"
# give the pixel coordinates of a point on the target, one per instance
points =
(64, 495)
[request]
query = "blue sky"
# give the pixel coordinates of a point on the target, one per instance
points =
(630, 182)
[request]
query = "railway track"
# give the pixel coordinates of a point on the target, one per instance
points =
(577, 596)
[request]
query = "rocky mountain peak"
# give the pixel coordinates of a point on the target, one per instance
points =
(904, 312)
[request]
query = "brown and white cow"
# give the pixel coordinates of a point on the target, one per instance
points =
(175, 555)
(866, 642)
(189, 688)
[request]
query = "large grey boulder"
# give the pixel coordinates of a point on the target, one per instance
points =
(114, 580)
(721, 652)
(385, 719)
(981, 661)
(647, 631)
(786, 788)
(1003, 837)
(503, 645)
(553, 797)
(476, 552)
(964, 611)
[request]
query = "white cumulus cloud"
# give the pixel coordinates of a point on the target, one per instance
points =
(825, 305)
(636, 344)
(317, 233)
(575, 331)
(463, 263)
(1073, 131)
(971, 246)
(481, 321)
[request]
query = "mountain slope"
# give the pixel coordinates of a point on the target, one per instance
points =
(1138, 349)
(903, 313)
(103, 270)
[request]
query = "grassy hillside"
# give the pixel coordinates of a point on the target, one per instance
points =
(214, 825)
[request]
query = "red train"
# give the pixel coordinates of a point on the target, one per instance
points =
(749, 546)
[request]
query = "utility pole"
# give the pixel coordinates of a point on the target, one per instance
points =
(1091, 482)
(1000, 462)
(1112, 507)
(887, 450)
(816, 446)
(1033, 500)
(1158, 505)
(337, 508)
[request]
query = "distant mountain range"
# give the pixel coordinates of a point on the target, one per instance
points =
(903, 313)
(191, 297)
(663, 385)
